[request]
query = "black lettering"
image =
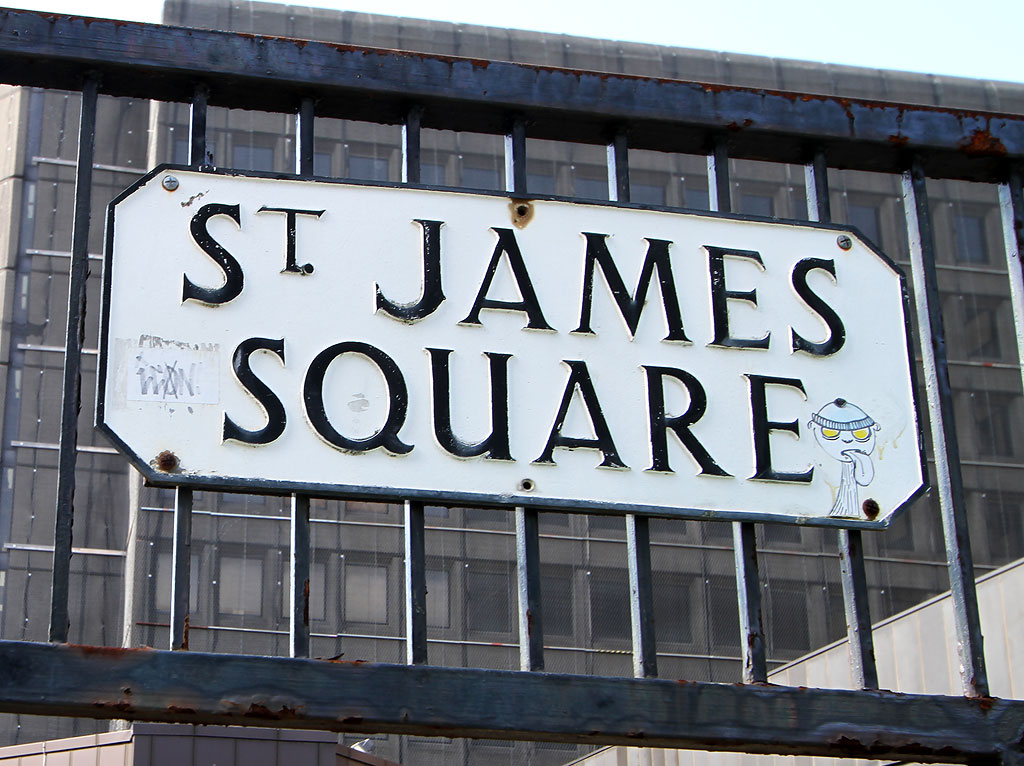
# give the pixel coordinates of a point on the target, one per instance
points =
(579, 379)
(679, 424)
(233, 279)
(836, 332)
(276, 418)
(631, 306)
(432, 295)
(763, 428)
(529, 304)
(495, 446)
(720, 297)
(398, 394)
(290, 265)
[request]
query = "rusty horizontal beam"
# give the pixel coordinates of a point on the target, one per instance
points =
(193, 687)
(275, 74)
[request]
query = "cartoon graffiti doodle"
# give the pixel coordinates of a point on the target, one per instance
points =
(847, 434)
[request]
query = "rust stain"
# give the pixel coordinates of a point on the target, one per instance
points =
(122, 706)
(184, 638)
(180, 709)
(256, 710)
(983, 144)
(899, 141)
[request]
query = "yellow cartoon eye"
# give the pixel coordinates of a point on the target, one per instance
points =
(829, 433)
(862, 434)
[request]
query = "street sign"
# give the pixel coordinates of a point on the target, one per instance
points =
(392, 342)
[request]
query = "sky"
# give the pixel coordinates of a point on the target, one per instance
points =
(979, 39)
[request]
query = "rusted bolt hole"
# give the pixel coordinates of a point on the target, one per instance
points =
(871, 509)
(522, 210)
(167, 461)
(527, 485)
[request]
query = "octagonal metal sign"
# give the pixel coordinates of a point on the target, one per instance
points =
(282, 335)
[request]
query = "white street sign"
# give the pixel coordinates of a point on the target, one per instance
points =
(389, 342)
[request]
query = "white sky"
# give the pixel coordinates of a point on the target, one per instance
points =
(979, 38)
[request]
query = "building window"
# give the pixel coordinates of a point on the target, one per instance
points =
(1004, 523)
(981, 329)
(367, 168)
(647, 194)
(488, 601)
(540, 183)
(438, 592)
(994, 422)
(246, 157)
(475, 177)
(322, 162)
(556, 603)
(969, 238)
(609, 604)
(240, 586)
(696, 199)
(162, 596)
(432, 173)
(757, 204)
(789, 620)
(867, 220)
(723, 613)
(673, 609)
(366, 593)
(590, 187)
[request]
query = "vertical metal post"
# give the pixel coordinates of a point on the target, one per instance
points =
(531, 622)
(71, 396)
(851, 547)
(1011, 208)
(415, 584)
(298, 624)
(197, 128)
(748, 588)
(719, 194)
(181, 542)
(304, 143)
(819, 208)
(638, 537)
(411, 155)
(748, 580)
(641, 596)
(618, 166)
(948, 480)
(515, 157)
(181, 566)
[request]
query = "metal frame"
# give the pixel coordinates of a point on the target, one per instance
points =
(620, 112)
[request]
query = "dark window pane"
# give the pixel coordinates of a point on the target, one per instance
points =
(590, 188)
(647, 194)
(969, 236)
(981, 330)
(480, 178)
(865, 218)
(368, 168)
(488, 597)
(673, 615)
(1005, 527)
(724, 608)
(696, 199)
(181, 151)
(432, 173)
(556, 603)
(993, 418)
(246, 157)
(789, 620)
(756, 204)
(540, 183)
(321, 163)
(609, 604)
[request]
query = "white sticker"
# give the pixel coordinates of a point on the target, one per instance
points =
(161, 370)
